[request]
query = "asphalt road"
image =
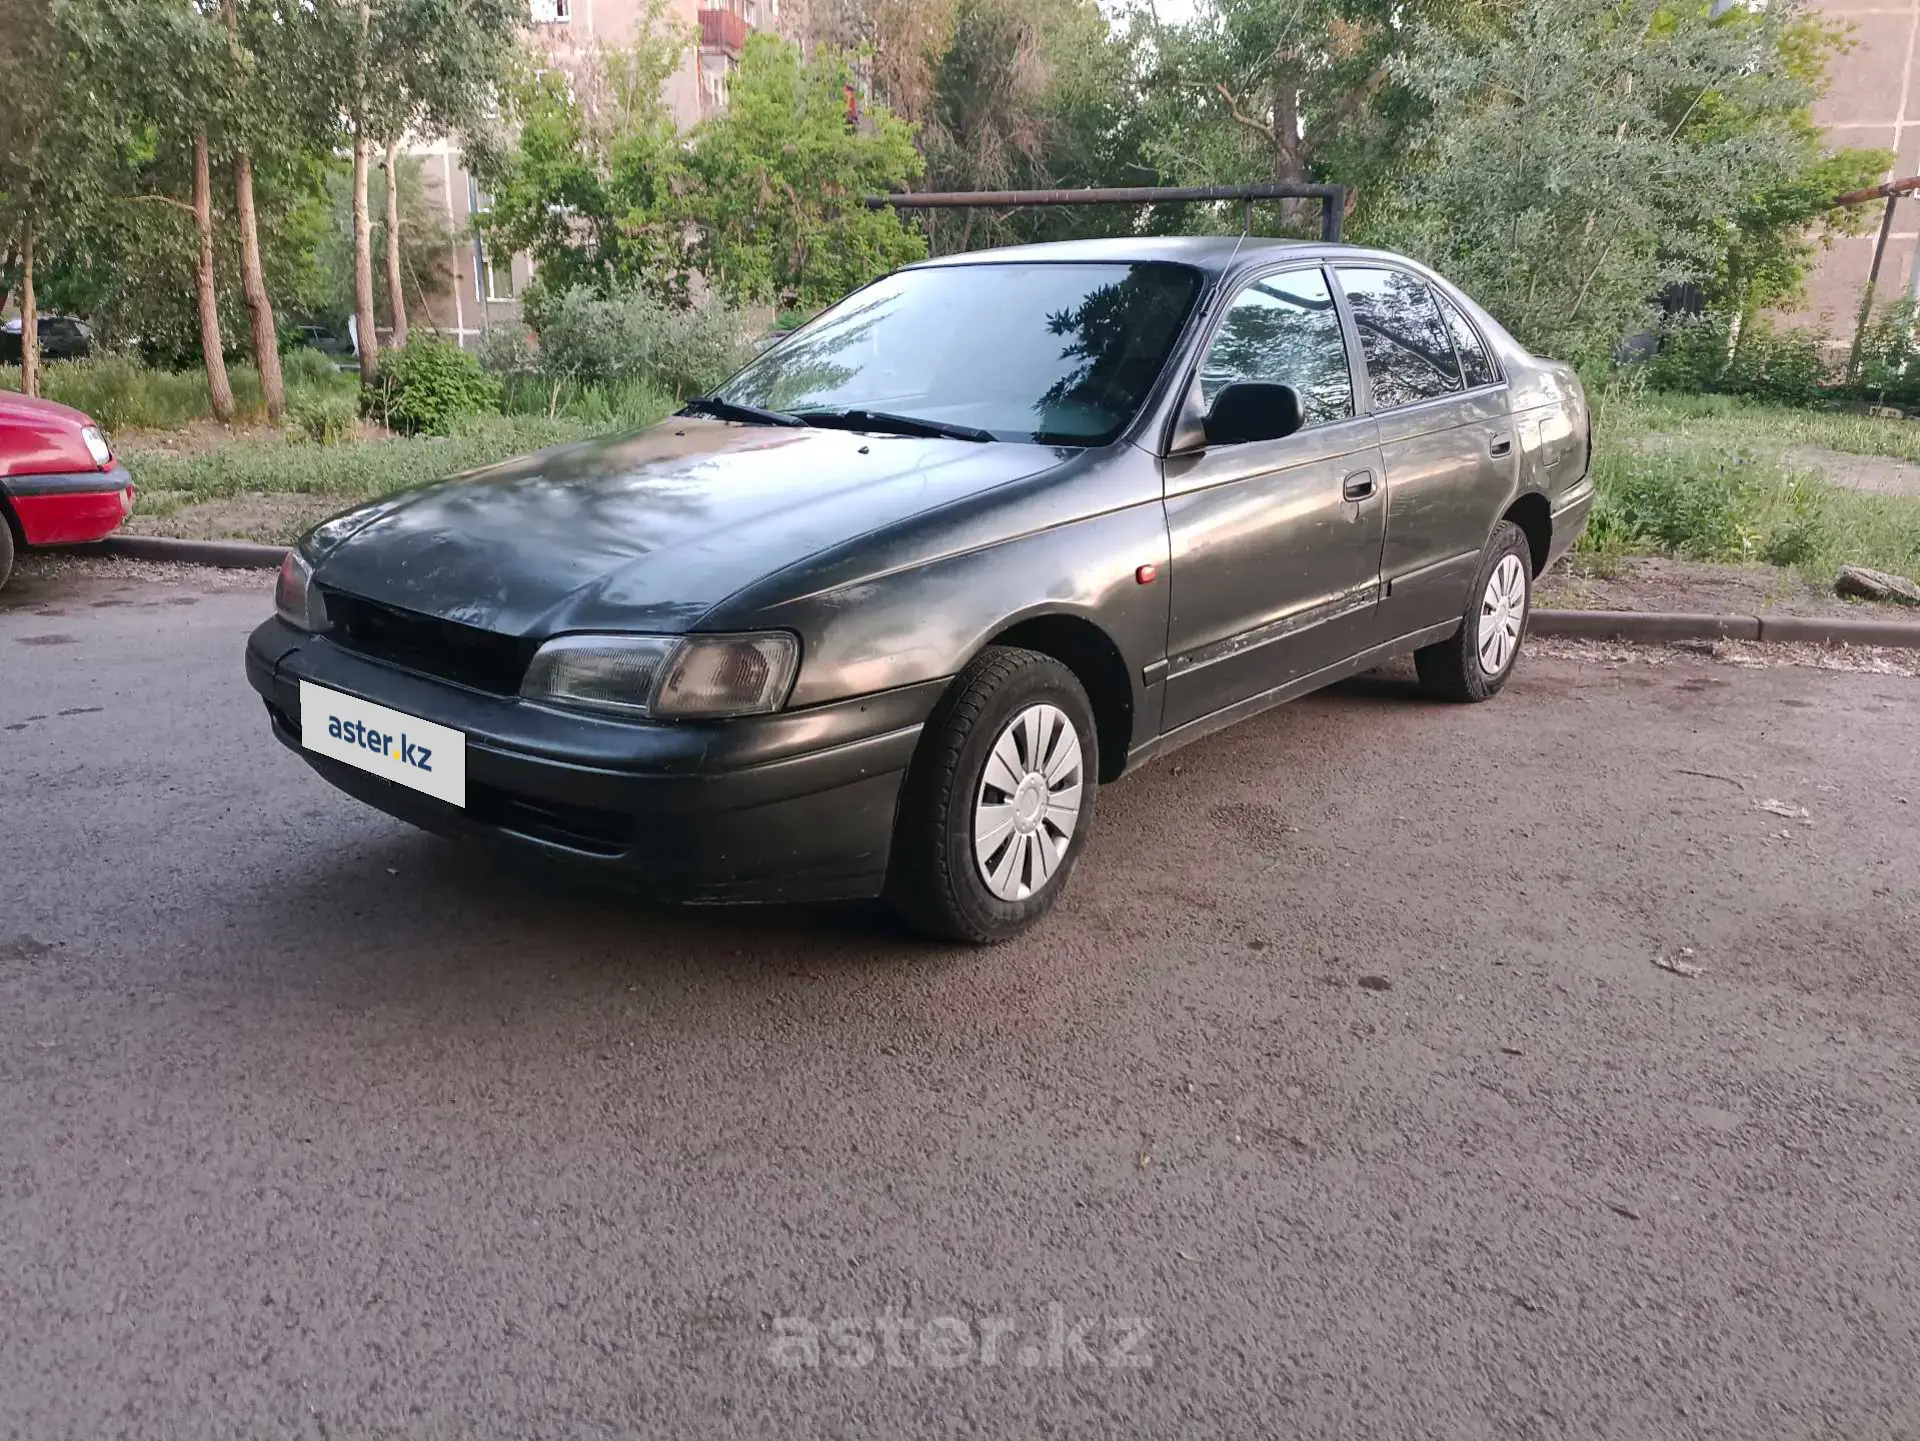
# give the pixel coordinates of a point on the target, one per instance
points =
(1345, 1068)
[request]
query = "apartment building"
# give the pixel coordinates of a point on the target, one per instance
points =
(484, 287)
(1873, 102)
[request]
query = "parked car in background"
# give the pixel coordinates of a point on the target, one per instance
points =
(881, 615)
(59, 481)
(62, 337)
(321, 338)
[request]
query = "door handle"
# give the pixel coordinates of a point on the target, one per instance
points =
(1501, 446)
(1357, 486)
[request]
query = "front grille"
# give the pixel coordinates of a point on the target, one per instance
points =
(583, 828)
(463, 654)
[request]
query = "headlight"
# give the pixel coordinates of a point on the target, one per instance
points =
(671, 676)
(299, 604)
(97, 446)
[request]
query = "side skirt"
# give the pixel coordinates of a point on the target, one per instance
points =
(1206, 725)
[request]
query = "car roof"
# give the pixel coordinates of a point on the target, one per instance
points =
(1214, 254)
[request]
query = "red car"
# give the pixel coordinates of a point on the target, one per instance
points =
(59, 482)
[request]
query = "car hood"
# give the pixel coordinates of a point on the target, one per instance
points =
(643, 532)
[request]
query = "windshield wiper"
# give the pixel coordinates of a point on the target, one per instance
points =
(889, 423)
(714, 406)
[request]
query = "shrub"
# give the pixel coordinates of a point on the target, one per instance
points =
(640, 337)
(304, 365)
(1703, 354)
(506, 351)
(322, 416)
(1889, 366)
(428, 386)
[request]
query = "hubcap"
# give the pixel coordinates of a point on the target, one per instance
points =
(1503, 609)
(1029, 802)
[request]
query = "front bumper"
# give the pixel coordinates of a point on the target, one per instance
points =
(794, 806)
(70, 508)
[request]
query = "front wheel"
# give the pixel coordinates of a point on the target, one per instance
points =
(1474, 664)
(998, 800)
(6, 549)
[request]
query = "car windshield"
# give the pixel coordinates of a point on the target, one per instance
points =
(1059, 353)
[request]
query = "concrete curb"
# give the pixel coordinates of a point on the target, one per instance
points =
(1646, 627)
(226, 554)
(1660, 626)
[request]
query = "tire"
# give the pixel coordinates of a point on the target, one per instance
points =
(937, 882)
(6, 546)
(1460, 669)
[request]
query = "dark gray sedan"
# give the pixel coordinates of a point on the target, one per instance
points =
(881, 614)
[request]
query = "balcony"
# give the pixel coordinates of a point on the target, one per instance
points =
(723, 30)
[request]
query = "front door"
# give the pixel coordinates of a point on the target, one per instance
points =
(1275, 544)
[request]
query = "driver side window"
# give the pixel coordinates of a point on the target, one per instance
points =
(1284, 329)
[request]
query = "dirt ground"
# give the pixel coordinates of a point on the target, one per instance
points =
(1647, 583)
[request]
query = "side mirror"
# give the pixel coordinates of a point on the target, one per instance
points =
(1254, 410)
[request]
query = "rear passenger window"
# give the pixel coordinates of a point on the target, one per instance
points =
(1284, 329)
(1408, 350)
(1475, 364)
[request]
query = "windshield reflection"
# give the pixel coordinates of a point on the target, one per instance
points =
(1056, 353)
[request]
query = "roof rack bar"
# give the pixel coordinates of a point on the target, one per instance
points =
(1332, 198)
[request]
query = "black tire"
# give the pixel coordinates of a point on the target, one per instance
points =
(934, 881)
(1451, 669)
(6, 547)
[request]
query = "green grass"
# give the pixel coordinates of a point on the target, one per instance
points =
(269, 465)
(1751, 425)
(122, 394)
(1706, 478)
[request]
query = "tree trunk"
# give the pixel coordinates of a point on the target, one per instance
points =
(1289, 148)
(363, 266)
(212, 351)
(29, 323)
(396, 292)
(362, 223)
(253, 284)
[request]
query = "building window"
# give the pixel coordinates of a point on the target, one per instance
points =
(551, 12)
(501, 284)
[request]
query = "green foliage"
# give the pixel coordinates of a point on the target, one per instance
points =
(1889, 365)
(326, 417)
(1030, 93)
(338, 474)
(764, 199)
(428, 387)
(304, 366)
(781, 180)
(1706, 478)
(1757, 359)
(639, 337)
(122, 394)
(1580, 155)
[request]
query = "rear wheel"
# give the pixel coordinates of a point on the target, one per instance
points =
(998, 801)
(6, 547)
(1474, 664)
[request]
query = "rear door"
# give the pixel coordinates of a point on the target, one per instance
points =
(1446, 439)
(1275, 544)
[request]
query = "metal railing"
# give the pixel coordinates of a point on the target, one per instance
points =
(1332, 198)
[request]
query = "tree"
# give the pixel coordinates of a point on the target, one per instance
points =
(781, 176)
(586, 169)
(1033, 94)
(417, 67)
(1581, 155)
(58, 138)
(1286, 91)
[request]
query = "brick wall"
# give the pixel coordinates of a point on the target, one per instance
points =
(1873, 102)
